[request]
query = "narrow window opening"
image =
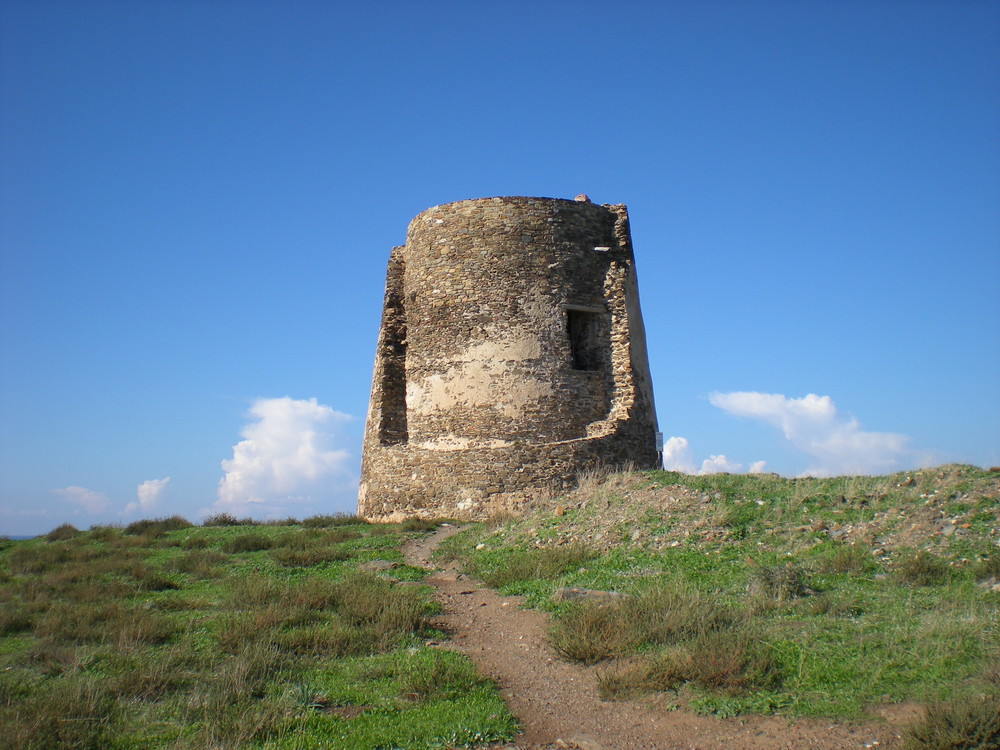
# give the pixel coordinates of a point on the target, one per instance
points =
(584, 331)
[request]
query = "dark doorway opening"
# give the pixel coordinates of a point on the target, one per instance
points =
(584, 331)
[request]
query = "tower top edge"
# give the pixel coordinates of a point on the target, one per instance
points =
(516, 200)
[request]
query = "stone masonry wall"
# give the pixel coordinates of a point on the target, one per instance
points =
(511, 356)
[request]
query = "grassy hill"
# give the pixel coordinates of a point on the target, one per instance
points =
(167, 635)
(734, 594)
(815, 597)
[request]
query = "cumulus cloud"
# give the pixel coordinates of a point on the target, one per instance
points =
(813, 425)
(148, 495)
(678, 456)
(720, 464)
(89, 501)
(289, 454)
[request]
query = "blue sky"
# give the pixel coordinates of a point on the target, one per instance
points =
(198, 199)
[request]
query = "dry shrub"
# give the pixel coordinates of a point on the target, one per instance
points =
(446, 677)
(227, 519)
(254, 590)
(988, 567)
(922, 569)
(147, 579)
(776, 584)
(991, 673)
(666, 614)
(156, 527)
(420, 524)
(360, 613)
(297, 539)
(252, 542)
(305, 558)
(230, 708)
(51, 659)
(108, 622)
(845, 558)
(326, 521)
(195, 542)
(15, 685)
(332, 639)
(969, 725)
(732, 661)
(500, 517)
(70, 712)
(14, 619)
(315, 593)
(101, 533)
(33, 559)
(62, 532)
(199, 563)
(591, 632)
(134, 674)
(289, 521)
(832, 605)
(674, 610)
(593, 478)
(633, 678)
(536, 563)
(369, 601)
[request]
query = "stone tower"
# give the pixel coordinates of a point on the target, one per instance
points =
(511, 356)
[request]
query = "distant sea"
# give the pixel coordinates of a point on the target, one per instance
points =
(17, 536)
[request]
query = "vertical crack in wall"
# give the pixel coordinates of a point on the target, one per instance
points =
(392, 429)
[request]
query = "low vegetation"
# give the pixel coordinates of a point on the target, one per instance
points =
(743, 593)
(736, 594)
(234, 634)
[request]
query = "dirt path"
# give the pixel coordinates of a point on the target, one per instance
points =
(557, 701)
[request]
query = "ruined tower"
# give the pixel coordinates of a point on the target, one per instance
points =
(511, 356)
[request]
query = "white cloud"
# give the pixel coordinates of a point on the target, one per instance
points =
(288, 455)
(718, 465)
(88, 500)
(813, 425)
(149, 494)
(677, 456)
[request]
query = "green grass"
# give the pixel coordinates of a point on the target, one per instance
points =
(828, 596)
(229, 635)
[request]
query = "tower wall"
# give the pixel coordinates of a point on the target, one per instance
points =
(511, 356)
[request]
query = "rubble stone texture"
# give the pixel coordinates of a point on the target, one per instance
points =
(511, 357)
